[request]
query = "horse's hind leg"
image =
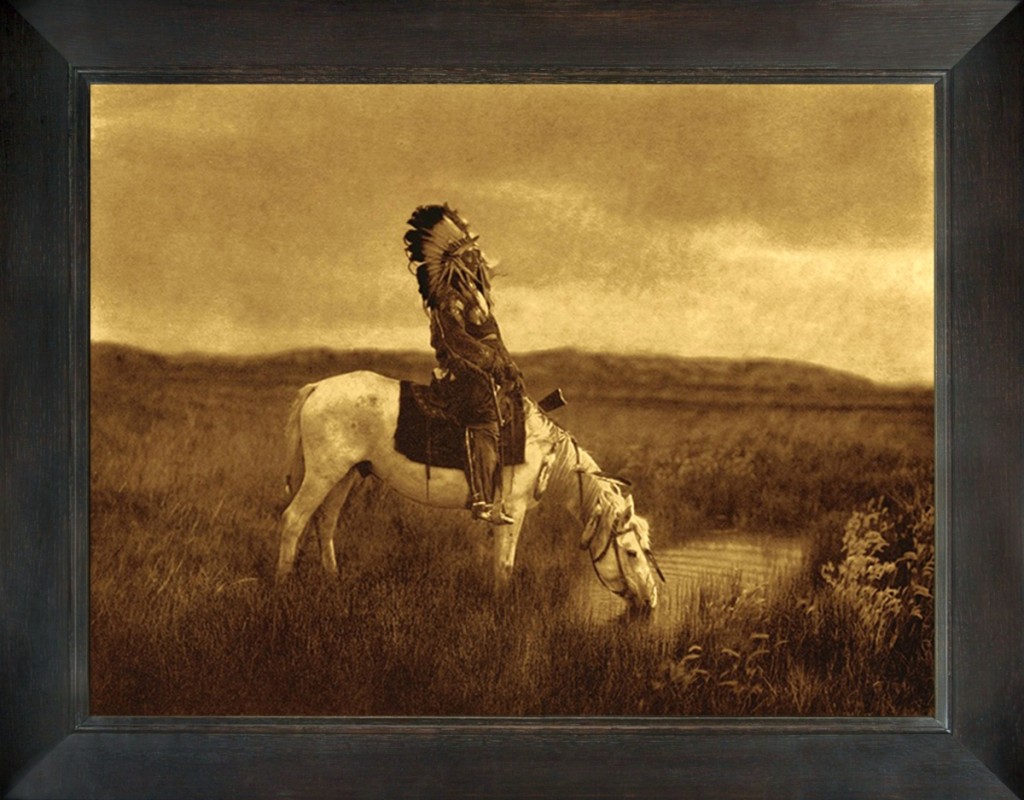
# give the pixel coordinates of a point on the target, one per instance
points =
(296, 517)
(327, 519)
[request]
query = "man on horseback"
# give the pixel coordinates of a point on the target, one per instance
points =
(476, 380)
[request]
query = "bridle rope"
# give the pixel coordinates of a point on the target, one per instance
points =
(612, 541)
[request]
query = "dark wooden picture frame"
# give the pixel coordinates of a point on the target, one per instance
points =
(973, 53)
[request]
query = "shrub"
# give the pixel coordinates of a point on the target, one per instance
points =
(886, 577)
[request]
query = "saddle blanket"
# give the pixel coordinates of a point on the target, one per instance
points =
(426, 436)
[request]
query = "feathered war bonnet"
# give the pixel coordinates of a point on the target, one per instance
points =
(443, 253)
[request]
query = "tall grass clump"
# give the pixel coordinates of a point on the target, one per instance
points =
(883, 586)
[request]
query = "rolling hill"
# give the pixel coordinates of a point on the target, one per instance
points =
(582, 376)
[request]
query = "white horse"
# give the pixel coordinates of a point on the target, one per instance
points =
(342, 428)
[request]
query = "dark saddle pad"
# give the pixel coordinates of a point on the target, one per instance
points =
(425, 435)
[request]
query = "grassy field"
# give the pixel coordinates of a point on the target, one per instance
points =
(186, 465)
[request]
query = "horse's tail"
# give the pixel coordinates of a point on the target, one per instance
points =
(293, 441)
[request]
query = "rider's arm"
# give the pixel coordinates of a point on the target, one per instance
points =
(451, 320)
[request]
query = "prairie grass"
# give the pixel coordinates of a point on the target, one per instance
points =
(186, 490)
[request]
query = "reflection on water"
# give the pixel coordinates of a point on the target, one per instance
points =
(730, 560)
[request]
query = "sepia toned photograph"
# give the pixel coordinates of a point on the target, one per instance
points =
(512, 400)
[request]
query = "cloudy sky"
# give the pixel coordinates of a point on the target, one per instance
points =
(788, 222)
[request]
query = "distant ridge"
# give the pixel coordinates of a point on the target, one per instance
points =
(650, 378)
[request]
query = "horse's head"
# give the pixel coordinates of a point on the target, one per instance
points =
(618, 540)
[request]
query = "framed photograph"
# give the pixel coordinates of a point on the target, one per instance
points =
(770, 402)
(776, 275)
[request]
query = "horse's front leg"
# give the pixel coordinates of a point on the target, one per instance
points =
(506, 539)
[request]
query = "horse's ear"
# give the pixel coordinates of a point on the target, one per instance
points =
(601, 521)
(624, 484)
(590, 528)
(630, 508)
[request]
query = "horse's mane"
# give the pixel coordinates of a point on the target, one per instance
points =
(559, 435)
(550, 429)
(561, 438)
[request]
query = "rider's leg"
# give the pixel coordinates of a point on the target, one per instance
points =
(485, 474)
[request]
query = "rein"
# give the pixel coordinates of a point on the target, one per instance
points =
(579, 468)
(612, 540)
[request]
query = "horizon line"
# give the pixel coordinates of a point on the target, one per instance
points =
(643, 354)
